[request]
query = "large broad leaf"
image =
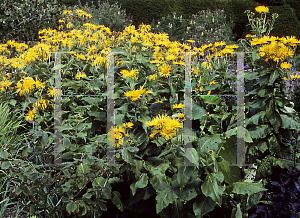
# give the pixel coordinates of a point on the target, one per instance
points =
(244, 188)
(231, 173)
(184, 174)
(260, 131)
(273, 76)
(143, 181)
(164, 198)
(213, 100)
(116, 199)
(197, 111)
(192, 155)
(158, 183)
(289, 122)
(72, 207)
(82, 169)
(211, 142)
(211, 188)
(256, 118)
(203, 206)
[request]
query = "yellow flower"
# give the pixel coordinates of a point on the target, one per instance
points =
(127, 74)
(262, 9)
(191, 41)
(25, 86)
(80, 56)
(67, 12)
(164, 70)
(213, 82)
(69, 25)
(42, 103)
(158, 101)
(207, 65)
(153, 76)
(178, 106)
(173, 124)
(38, 84)
(209, 92)
(181, 116)
(128, 125)
(168, 133)
(81, 75)
(5, 83)
(30, 115)
(61, 21)
(285, 65)
(294, 77)
(53, 92)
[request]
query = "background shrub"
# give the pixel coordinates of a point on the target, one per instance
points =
(109, 15)
(21, 20)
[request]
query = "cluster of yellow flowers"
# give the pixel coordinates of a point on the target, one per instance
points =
(136, 94)
(274, 48)
(118, 133)
(164, 125)
(216, 50)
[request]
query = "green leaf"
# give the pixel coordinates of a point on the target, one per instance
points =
(192, 155)
(203, 206)
(231, 173)
(260, 131)
(164, 198)
(256, 118)
(143, 181)
(244, 188)
(289, 122)
(184, 174)
(32, 209)
(4, 154)
(211, 142)
(116, 199)
(12, 102)
(158, 183)
(273, 76)
(211, 188)
(197, 111)
(132, 149)
(212, 100)
(238, 213)
(44, 139)
(5, 165)
(82, 169)
(66, 143)
(71, 207)
(255, 55)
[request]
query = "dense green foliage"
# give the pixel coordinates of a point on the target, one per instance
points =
(109, 15)
(22, 20)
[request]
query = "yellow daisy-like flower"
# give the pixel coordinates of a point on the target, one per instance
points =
(294, 77)
(164, 70)
(38, 84)
(127, 74)
(168, 133)
(173, 124)
(30, 115)
(42, 104)
(285, 65)
(181, 116)
(53, 92)
(178, 106)
(262, 9)
(284, 78)
(128, 125)
(191, 41)
(5, 83)
(207, 65)
(25, 86)
(69, 25)
(61, 21)
(153, 76)
(81, 75)
(67, 12)
(80, 56)
(213, 82)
